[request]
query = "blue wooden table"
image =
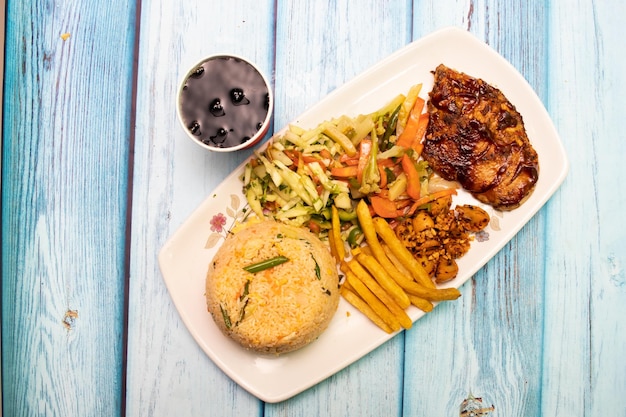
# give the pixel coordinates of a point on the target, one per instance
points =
(97, 174)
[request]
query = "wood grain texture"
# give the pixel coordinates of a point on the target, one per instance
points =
(489, 342)
(320, 46)
(538, 330)
(2, 28)
(585, 307)
(168, 373)
(64, 182)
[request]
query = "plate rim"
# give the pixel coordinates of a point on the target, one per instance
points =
(447, 32)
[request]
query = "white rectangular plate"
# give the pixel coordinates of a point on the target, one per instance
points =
(185, 257)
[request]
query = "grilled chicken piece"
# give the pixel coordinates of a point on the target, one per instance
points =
(476, 137)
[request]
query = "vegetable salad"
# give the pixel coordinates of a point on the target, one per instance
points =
(375, 157)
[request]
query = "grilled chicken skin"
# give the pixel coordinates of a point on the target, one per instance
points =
(476, 137)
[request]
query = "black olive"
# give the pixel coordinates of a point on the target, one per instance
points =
(194, 128)
(216, 109)
(220, 136)
(238, 97)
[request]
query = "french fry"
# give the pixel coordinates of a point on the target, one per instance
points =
(371, 237)
(366, 222)
(402, 253)
(358, 250)
(365, 278)
(435, 294)
(336, 232)
(368, 296)
(418, 302)
(333, 247)
(424, 305)
(382, 277)
(395, 261)
(343, 267)
(364, 308)
(347, 285)
(413, 288)
(425, 289)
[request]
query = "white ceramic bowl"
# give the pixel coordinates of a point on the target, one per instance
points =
(225, 103)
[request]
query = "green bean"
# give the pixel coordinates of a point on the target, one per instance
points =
(354, 234)
(226, 317)
(246, 291)
(391, 127)
(346, 216)
(266, 264)
(318, 272)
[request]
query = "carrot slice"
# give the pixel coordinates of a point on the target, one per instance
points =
(383, 175)
(325, 153)
(297, 157)
(410, 130)
(420, 131)
(308, 159)
(384, 193)
(386, 162)
(349, 160)
(365, 149)
(344, 172)
(292, 154)
(384, 207)
(412, 177)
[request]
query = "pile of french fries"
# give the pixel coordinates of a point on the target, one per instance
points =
(382, 277)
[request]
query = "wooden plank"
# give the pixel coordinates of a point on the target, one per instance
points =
(486, 343)
(168, 374)
(63, 212)
(585, 278)
(319, 46)
(64, 180)
(2, 27)
(370, 387)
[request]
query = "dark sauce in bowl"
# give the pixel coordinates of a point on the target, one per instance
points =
(224, 102)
